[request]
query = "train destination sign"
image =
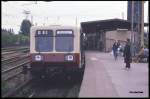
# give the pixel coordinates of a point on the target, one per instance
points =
(44, 33)
(64, 32)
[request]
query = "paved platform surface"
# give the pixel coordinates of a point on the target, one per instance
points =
(105, 77)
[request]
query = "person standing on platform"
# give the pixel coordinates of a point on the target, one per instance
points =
(118, 48)
(118, 44)
(127, 54)
(115, 47)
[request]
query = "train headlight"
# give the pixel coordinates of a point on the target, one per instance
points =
(69, 57)
(38, 57)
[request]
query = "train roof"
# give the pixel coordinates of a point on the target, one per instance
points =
(54, 27)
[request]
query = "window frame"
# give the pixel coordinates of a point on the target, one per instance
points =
(51, 35)
(63, 35)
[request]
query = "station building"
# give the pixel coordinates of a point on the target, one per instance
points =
(101, 34)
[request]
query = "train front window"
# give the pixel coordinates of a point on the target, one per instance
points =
(44, 40)
(64, 41)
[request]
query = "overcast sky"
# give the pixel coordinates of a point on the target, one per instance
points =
(63, 12)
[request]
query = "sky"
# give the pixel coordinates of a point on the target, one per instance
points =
(62, 12)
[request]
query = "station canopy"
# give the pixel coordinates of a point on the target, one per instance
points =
(105, 25)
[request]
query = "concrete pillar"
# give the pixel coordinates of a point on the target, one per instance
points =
(142, 25)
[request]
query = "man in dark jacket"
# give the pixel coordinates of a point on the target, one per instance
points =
(115, 47)
(118, 44)
(127, 54)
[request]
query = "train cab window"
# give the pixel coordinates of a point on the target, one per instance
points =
(44, 40)
(64, 41)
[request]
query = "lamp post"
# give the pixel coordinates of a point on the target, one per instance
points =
(132, 32)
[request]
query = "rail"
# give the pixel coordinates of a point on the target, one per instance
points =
(14, 59)
(22, 50)
(14, 49)
(17, 89)
(7, 70)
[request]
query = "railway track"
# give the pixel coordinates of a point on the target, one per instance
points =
(13, 61)
(57, 87)
(13, 92)
(9, 63)
(13, 72)
(13, 75)
(8, 49)
(14, 58)
(6, 52)
(15, 78)
(9, 73)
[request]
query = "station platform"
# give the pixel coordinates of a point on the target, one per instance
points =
(106, 77)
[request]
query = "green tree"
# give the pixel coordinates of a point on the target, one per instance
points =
(10, 39)
(25, 27)
(22, 39)
(7, 37)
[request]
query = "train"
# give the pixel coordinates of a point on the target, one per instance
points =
(56, 48)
